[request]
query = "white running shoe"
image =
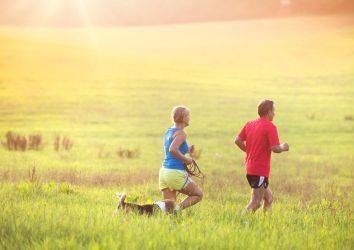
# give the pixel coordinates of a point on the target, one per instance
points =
(161, 205)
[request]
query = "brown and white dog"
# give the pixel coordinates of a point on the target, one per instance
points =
(166, 206)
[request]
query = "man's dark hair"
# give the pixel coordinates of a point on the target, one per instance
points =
(264, 107)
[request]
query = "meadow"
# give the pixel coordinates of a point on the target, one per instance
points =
(112, 89)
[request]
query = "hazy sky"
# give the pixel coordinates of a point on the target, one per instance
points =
(121, 12)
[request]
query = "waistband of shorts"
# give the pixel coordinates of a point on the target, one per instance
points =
(173, 168)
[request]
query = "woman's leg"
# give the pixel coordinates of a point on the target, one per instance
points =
(169, 194)
(169, 197)
(194, 195)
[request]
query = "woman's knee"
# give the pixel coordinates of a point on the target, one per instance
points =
(198, 193)
(193, 190)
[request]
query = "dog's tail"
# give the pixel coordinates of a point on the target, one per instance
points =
(121, 199)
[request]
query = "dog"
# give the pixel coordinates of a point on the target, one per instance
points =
(166, 206)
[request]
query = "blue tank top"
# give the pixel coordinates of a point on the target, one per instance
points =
(171, 161)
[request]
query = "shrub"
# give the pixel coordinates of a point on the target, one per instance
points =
(62, 142)
(121, 152)
(348, 118)
(17, 142)
(35, 141)
(127, 153)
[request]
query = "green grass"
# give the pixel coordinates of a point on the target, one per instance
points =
(115, 87)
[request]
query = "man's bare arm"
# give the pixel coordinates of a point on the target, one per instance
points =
(280, 148)
(240, 143)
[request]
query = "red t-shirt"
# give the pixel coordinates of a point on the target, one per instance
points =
(260, 136)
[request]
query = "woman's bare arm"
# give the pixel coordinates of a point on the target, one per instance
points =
(180, 137)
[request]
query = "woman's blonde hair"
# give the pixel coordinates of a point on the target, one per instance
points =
(179, 113)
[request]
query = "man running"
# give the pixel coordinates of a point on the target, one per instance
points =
(258, 139)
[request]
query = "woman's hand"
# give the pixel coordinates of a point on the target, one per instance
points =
(192, 150)
(188, 161)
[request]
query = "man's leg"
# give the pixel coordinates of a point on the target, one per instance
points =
(256, 199)
(268, 199)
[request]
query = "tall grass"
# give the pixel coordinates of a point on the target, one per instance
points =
(116, 86)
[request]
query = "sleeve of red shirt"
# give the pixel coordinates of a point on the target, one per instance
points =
(272, 135)
(242, 133)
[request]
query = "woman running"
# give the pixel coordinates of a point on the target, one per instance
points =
(173, 176)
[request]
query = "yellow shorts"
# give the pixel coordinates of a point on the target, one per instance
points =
(173, 179)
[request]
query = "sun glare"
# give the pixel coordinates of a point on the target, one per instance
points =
(50, 12)
(58, 8)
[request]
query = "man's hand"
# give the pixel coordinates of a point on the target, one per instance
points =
(284, 147)
(280, 148)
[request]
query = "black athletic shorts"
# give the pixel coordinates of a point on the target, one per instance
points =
(256, 181)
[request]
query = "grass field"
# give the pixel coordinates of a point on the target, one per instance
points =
(113, 88)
